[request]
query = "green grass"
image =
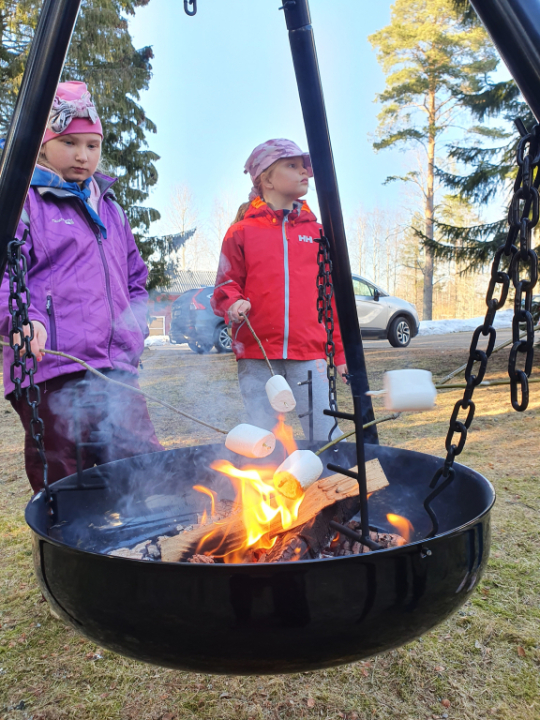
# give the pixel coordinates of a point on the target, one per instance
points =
(482, 663)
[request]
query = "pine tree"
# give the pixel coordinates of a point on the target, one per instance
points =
(431, 62)
(102, 55)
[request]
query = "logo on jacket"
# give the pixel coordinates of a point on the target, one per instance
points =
(68, 221)
(305, 238)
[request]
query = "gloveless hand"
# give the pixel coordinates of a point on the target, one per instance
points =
(342, 370)
(40, 338)
(240, 306)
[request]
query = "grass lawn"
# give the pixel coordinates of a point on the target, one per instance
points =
(484, 662)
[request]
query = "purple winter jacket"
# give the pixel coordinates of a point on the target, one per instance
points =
(88, 291)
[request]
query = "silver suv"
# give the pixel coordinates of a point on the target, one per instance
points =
(383, 316)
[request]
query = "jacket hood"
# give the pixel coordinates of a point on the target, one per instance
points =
(260, 209)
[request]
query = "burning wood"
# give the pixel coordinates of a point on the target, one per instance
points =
(231, 533)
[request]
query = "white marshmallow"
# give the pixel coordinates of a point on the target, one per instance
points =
(280, 394)
(295, 474)
(409, 391)
(250, 441)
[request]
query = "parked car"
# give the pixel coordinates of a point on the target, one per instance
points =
(383, 316)
(193, 322)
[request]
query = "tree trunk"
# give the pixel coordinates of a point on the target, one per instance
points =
(428, 264)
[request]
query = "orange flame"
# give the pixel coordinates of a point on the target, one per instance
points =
(403, 526)
(284, 433)
(262, 506)
(211, 493)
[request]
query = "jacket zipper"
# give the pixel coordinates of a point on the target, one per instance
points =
(287, 297)
(109, 294)
(52, 322)
(107, 275)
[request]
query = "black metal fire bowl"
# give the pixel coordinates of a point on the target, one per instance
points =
(254, 618)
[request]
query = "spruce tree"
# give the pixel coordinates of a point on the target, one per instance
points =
(485, 159)
(102, 55)
(430, 61)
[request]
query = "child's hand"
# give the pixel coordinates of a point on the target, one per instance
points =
(240, 306)
(40, 338)
(342, 370)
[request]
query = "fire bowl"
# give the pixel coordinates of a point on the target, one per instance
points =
(253, 618)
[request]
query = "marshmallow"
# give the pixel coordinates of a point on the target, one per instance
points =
(280, 394)
(295, 474)
(250, 441)
(409, 391)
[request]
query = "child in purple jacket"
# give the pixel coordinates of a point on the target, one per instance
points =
(88, 299)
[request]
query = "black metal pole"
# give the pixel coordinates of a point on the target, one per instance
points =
(306, 68)
(41, 77)
(514, 27)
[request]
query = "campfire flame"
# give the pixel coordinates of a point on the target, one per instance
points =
(284, 433)
(265, 512)
(212, 494)
(404, 526)
(260, 504)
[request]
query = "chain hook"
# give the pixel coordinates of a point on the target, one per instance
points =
(189, 12)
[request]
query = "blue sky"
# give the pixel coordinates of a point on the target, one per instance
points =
(223, 82)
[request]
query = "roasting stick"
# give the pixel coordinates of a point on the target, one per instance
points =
(137, 391)
(394, 416)
(278, 390)
(483, 384)
(181, 412)
(461, 368)
(259, 343)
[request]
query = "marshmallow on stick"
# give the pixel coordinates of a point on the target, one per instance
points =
(295, 474)
(409, 391)
(280, 394)
(250, 441)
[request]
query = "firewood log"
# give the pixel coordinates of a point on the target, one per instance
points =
(321, 494)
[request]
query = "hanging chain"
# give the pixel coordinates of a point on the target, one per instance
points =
(326, 316)
(522, 264)
(24, 364)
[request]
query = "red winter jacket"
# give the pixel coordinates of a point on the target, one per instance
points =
(270, 259)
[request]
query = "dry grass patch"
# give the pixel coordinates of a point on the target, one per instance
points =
(481, 664)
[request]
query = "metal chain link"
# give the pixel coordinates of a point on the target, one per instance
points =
(326, 316)
(522, 264)
(24, 365)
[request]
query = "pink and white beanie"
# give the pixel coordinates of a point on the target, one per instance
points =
(267, 153)
(72, 112)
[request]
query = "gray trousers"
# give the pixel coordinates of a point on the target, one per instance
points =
(252, 377)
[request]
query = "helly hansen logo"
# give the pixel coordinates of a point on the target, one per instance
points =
(305, 238)
(68, 221)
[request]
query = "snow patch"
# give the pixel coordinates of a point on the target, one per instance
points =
(503, 319)
(156, 340)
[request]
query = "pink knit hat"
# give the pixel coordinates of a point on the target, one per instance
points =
(267, 153)
(72, 112)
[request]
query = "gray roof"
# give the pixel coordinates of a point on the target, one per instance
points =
(183, 280)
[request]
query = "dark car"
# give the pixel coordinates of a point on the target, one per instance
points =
(193, 322)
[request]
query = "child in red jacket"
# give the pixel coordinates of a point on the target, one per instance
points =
(268, 269)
